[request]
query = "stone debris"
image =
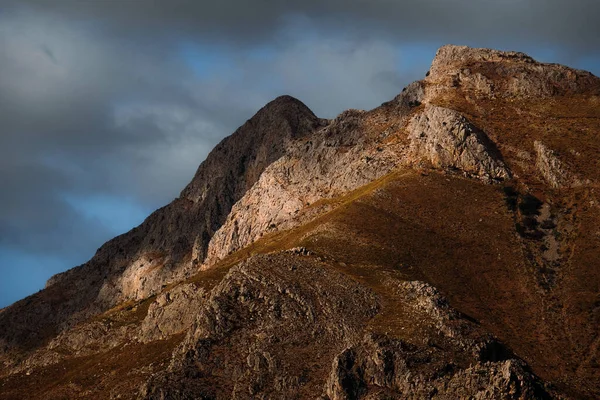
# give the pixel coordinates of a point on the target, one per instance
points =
(300, 251)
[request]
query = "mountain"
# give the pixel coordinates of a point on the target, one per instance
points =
(442, 245)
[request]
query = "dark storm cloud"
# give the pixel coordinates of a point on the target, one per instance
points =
(572, 24)
(80, 115)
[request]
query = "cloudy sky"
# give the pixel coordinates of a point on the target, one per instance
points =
(107, 107)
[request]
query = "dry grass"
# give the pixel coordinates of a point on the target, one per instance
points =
(570, 311)
(127, 313)
(119, 371)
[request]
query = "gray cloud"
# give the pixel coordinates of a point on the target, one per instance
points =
(571, 24)
(70, 131)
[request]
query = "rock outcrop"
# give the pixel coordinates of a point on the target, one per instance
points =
(552, 169)
(346, 157)
(380, 367)
(348, 153)
(173, 312)
(487, 73)
(283, 301)
(275, 312)
(446, 139)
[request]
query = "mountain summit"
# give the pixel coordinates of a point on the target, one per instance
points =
(442, 245)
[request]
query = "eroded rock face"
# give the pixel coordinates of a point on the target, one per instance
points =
(380, 367)
(464, 363)
(340, 157)
(173, 312)
(446, 139)
(487, 73)
(450, 56)
(266, 332)
(552, 169)
(275, 314)
(82, 340)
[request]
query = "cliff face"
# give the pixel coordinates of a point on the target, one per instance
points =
(442, 245)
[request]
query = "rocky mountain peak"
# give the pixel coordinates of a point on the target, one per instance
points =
(286, 103)
(488, 73)
(287, 110)
(334, 259)
(172, 241)
(463, 55)
(257, 143)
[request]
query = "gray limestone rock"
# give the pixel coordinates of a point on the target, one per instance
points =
(381, 368)
(552, 169)
(487, 73)
(172, 312)
(446, 139)
(338, 158)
